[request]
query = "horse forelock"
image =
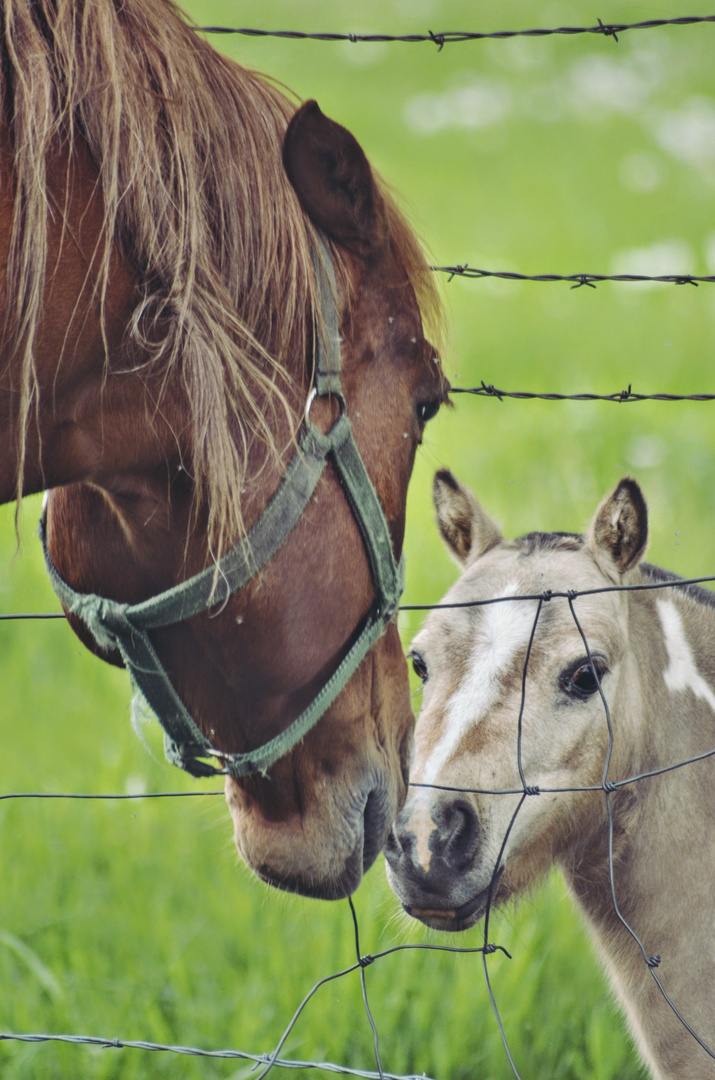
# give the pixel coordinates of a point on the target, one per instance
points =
(188, 147)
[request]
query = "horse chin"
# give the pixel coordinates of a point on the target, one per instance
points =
(336, 888)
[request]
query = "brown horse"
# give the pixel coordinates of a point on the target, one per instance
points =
(552, 782)
(157, 242)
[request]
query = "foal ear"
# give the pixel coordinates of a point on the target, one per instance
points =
(466, 529)
(333, 180)
(619, 530)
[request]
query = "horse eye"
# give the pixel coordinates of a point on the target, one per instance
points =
(426, 410)
(419, 666)
(584, 680)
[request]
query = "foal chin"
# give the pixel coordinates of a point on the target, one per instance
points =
(318, 821)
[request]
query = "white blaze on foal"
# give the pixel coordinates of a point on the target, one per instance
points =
(502, 635)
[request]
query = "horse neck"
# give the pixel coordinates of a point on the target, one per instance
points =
(663, 841)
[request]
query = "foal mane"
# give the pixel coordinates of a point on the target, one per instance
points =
(565, 541)
(188, 147)
(700, 595)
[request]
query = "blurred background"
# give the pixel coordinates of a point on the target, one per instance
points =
(556, 155)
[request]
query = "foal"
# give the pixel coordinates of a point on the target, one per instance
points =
(651, 658)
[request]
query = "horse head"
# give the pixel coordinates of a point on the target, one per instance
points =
(247, 667)
(165, 319)
(513, 706)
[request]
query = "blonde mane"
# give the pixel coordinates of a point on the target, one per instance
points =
(188, 147)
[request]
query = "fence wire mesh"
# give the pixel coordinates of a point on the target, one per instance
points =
(608, 785)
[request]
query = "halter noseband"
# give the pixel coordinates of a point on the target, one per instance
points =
(126, 626)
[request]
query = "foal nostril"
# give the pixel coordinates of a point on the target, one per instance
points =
(460, 831)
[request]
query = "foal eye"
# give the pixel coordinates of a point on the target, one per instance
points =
(583, 680)
(419, 666)
(426, 410)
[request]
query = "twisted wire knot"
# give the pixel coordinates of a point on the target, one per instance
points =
(458, 269)
(583, 279)
(365, 961)
(653, 961)
(546, 595)
(532, 791)
(608, 31)
(492, 390)
(609, 786)
(438, 40)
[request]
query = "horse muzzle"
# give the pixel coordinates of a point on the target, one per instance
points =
(322, 853)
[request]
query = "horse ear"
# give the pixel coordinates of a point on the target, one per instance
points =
(466, 529)
(619, 530)
(333, 180)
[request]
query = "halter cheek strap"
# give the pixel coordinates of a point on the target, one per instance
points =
(126, 627)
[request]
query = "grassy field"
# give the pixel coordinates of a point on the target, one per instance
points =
(553, 155)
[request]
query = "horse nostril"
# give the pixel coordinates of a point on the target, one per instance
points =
(375, 821)
(392, 844)
(461, 832)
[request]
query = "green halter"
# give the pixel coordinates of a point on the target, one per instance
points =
(126, 626)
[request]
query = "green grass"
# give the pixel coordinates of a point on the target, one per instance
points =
(135, 919)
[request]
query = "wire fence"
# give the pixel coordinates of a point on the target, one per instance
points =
(608, 785)
(621, 397)
(452, 37)
(472, 273)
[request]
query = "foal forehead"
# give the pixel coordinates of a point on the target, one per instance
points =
(530, 567)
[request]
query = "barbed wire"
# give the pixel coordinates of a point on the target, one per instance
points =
(621, 397)
(464, 270)
(451, 37)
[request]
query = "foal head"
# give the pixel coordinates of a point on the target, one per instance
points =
(450, 851)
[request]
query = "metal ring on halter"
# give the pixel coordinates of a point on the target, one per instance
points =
(311, 398)
(337, 394)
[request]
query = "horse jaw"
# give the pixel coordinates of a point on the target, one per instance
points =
(320, 818)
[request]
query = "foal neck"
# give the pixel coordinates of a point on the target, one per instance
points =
(663, 842)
